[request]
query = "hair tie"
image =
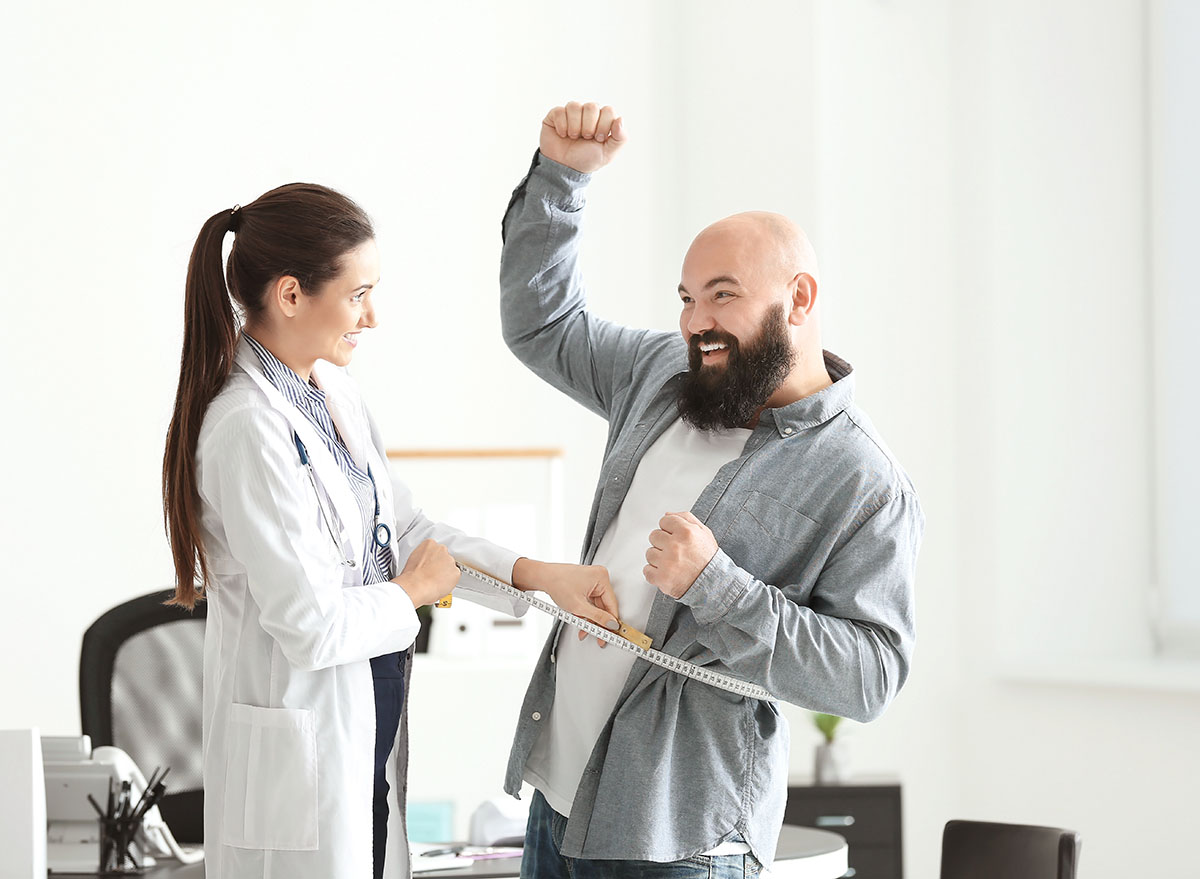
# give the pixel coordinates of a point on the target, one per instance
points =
(235, 218)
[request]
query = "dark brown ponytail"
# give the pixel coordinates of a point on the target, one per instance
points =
(302, 230)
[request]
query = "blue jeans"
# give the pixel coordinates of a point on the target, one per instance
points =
(541, 858)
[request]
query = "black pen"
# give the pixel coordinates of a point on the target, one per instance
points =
(150, 803)
(123, 808)
(159, 790)
(146, 790)
(153, 777)
(453, 850)
(96, 806)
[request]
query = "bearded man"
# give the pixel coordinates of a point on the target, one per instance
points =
(751, 519)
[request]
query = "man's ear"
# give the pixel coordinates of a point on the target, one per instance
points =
(804, 298)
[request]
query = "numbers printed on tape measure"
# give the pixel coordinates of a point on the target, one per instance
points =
(630, 639)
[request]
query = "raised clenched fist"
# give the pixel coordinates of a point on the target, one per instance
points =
(582, 136)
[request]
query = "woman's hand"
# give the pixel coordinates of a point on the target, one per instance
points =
(583, 590)
(429, 573)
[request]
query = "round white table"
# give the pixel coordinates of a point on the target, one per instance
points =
(808, 853)
(804, 853)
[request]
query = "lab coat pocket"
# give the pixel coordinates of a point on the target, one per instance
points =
(271, 779)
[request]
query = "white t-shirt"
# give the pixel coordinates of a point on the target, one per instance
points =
(588, 679)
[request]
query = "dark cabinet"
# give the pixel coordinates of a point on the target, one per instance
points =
(867, 815)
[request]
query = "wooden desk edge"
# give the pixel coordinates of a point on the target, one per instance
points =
(398, 454)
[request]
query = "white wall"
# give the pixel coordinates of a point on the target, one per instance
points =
(973, 175)
(1057, 553)
(1054, 279)
(983, 176)
(886, 221)
(126, 127)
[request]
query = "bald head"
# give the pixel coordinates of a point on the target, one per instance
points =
(750, 320)
(769, 244)
(749, 294)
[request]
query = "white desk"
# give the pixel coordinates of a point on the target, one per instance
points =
(808, 853)
(804, 853)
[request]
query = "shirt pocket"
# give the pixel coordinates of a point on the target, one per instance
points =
(271, 779)
(770, 539)
(775, 518)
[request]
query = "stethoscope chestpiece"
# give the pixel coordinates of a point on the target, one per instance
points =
(383, 534)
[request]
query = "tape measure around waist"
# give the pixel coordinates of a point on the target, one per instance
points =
(632, 641)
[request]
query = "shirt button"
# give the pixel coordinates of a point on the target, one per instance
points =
(788, 431)
(537, 715)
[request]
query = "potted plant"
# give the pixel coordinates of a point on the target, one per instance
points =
(829, 759)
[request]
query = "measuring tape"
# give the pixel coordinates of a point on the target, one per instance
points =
(627, 638)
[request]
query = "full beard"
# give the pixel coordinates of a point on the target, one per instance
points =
(716, 397)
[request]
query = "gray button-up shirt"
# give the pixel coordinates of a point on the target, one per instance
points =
(810, 594)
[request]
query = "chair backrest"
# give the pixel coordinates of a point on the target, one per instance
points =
(984, 850)
(140, 689)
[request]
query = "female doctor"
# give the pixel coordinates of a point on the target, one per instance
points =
(280, 510)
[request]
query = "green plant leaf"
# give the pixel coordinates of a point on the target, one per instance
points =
(827, 724)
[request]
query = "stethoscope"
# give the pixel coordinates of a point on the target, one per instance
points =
(382, 533)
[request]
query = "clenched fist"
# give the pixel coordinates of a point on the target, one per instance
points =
(680, 548)
(429, 573)
(582, 136)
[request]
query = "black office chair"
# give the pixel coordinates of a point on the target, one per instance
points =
(983, 850)
(140, 689)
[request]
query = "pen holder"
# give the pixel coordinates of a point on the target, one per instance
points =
(118, 848)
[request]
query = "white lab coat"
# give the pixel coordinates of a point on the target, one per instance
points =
(289, 709)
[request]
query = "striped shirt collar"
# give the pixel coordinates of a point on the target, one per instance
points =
(309, 399)
(298, 392)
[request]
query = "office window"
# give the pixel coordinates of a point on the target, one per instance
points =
(1174, 52)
